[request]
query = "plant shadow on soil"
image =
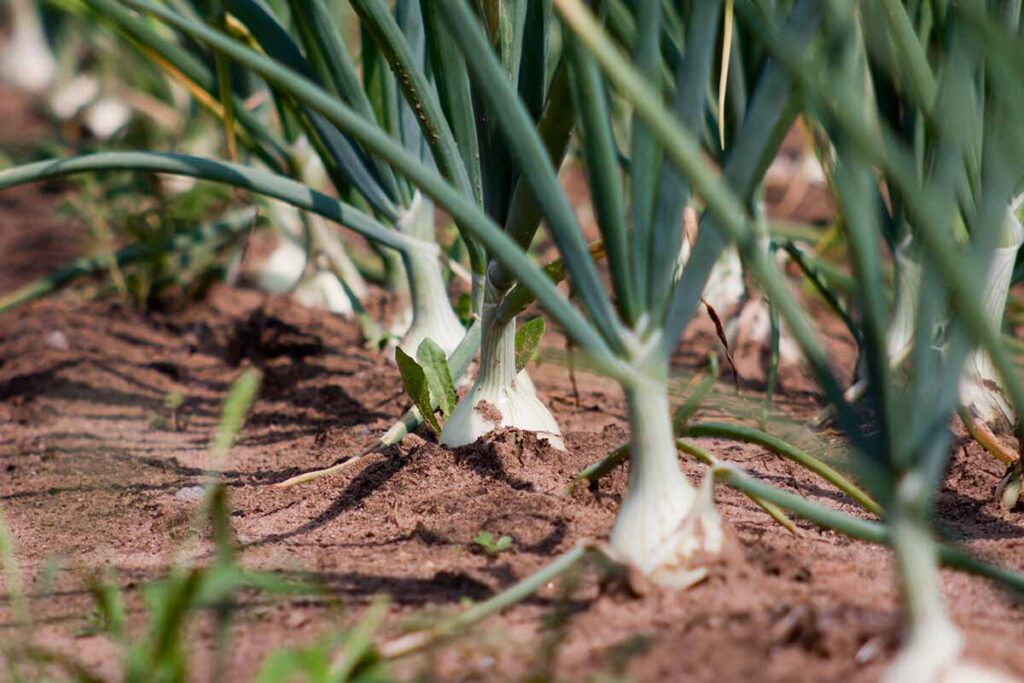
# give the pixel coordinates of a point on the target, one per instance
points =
(94, 475)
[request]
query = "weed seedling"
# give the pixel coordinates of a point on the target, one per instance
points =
(491, 545)
(173, 402)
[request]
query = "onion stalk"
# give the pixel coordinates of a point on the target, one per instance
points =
(432, 314)
(899, 338)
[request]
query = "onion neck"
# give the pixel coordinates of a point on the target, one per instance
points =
(497, 349)
(654, 467)
(27, 62)
(997, 284)
(900, 335)
(432, 315)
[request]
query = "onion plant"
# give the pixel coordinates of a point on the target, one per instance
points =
(959, 197)
(937, 124)
(665, 524)
(457, 136)
(901, 39)
(630, 332)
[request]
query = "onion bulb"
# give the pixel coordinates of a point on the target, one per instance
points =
(105, 117)
(900, 335)
(499, 397)
(285, 270)
(981, 389)
(67, 100)
(933, 652)
(26, 61)
(323, 290)
(665, 526)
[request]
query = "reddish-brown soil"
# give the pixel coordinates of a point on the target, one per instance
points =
(95, 478)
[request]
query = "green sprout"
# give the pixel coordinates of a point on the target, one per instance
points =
(491, 545)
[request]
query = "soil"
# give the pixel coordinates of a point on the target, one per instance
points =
(97, 476)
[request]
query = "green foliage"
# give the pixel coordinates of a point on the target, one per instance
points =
(414, 380)
(348, 657)
(157, 260)
(429, 382)
(434, 362)
(921, 98)
(492, 545)
(528, 336)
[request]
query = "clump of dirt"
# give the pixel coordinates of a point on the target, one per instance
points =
(488, 411)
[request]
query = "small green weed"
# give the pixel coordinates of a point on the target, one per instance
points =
(491, 545)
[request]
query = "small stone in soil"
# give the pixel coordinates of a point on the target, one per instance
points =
(57, 341)
(190, 494)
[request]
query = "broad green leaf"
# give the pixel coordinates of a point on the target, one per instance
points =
(673, 189)
(528, 151)
(329, 56)
(416, 387)
(453, 91)
(393, 45)
(528, 338)
(645, 152)
(434, 363)
(342, 156)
